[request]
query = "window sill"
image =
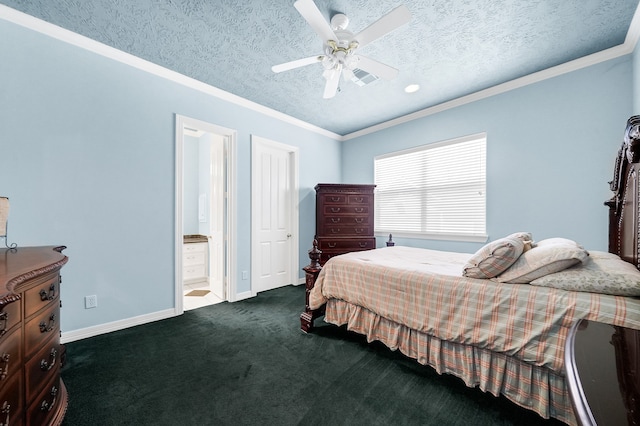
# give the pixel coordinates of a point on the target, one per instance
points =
(440, 237)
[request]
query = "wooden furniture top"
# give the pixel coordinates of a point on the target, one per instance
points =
(24, 263)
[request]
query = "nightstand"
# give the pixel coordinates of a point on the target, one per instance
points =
(603, 373)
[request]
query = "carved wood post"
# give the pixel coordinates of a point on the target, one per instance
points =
(312, 270)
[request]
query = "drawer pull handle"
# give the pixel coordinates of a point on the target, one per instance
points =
(335, 199)
(335, 230)
(46, 366)
(359, 219)
(359, 209)
(5, 370)
(46, 406)
(359, 199)
(4, 320)
(335, 219)
(332, 245)
(45, 328)
(44, 296)
(335, 209)
(359, 230)
(5, 410)
(363, 245)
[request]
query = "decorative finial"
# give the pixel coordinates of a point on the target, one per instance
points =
(314, 255)
(390, 243)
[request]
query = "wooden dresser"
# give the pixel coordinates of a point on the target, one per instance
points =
(31, 390)
(344, 219)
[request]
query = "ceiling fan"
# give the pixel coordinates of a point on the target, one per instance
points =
(340, 45)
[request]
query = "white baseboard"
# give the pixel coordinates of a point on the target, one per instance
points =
(245, 295)
(97, 330)
(84, 333)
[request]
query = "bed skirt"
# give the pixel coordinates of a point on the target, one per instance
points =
(535, 388)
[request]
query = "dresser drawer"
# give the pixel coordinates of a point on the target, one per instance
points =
(194, 248)
(191, 272)
(333, 198)
(43, 406)
(354, 220)
(41, 328)
(329, 253)
(41, 295)
(10, 316)
(11, 401)
(358, 199)
(346, 244)
(329, 210)
(10, 356)
(345, 230)
(192, 259)
(42, 367)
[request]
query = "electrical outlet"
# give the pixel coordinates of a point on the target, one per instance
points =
(245, 275)
(90, 301)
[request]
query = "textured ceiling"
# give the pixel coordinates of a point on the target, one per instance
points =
(451, 48)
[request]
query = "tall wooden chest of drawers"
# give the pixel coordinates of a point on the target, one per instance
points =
(344, 219)
(31, 390)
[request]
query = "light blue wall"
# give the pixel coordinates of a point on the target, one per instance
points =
(551, 148)
(87, 149)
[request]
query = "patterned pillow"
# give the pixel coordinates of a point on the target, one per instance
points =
(602, 273)
(547, 257)
(495, 257)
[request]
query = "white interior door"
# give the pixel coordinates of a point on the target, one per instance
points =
(216, 220)
(274, 191)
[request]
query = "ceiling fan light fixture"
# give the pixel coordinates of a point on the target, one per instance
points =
(330, 73)
(348, 74)
(340, 45)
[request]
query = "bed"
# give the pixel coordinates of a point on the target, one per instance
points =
(497, 318)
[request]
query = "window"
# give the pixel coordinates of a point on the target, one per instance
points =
(434, 191)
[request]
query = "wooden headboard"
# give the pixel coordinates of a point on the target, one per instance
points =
(624, 205)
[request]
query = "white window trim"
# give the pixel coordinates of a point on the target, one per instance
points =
(470, 237)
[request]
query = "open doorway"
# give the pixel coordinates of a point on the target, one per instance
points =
(205, 202)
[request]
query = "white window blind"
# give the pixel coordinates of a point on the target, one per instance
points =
(434, 191)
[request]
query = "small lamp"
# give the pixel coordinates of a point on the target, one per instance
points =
(4, 215)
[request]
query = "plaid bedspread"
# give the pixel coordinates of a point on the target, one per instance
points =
(425, 291)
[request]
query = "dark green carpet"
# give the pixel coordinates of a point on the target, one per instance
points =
(248, 363)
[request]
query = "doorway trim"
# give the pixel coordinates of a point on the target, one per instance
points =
(230, 138)
(294, 213)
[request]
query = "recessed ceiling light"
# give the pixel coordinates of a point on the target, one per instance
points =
(412, 88)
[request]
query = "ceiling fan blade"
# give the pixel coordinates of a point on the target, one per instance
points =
(389, 22)
(376, 68)
(296, 64)
(313, 16)
(331, 87)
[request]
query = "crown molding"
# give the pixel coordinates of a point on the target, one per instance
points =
(75, 39)
(567, 67)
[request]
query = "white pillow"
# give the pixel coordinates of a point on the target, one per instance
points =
(547, 257)
(602, 273)
(493, 258)
(557, 240)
